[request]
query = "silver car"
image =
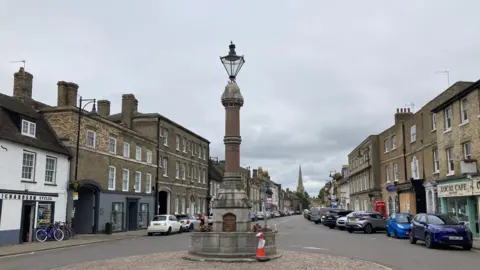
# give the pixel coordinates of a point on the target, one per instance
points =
(368, 222)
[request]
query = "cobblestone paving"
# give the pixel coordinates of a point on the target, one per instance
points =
(173, 260)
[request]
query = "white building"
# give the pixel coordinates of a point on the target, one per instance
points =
(34, 166)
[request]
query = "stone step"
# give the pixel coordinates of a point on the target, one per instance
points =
(225, 255)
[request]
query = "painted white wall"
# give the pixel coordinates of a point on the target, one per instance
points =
(11, 168)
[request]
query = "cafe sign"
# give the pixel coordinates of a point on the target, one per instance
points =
(455, 189)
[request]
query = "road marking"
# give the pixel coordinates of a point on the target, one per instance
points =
(316, 248)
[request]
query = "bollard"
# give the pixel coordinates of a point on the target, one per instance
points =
(261, 248)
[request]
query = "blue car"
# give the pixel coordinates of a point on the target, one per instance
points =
(398, 225)
(438, 229)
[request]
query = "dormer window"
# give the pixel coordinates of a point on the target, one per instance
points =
(28, 128)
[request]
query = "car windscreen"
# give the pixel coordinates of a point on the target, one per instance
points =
(402, 219)
(442, 220)
(182, 217)
(343, 213)
(159, 218)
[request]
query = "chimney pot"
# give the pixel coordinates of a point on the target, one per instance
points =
(398, 110)
(22, 84)
(103, 107)
(67, 93)
(408, 110)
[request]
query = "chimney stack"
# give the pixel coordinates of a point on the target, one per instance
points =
(22, 84)
(129, 107)
(103, 107)
(67, 94)
(403, 114)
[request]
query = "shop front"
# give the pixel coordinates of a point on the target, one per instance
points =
(431, 196)
(459, 198)
(22, 212)
(411, 197)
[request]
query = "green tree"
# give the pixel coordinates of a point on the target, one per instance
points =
(303, 197)
(321, 194)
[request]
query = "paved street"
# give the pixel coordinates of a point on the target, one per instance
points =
(296, 234)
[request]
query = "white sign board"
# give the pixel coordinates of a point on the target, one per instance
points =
(455, 189)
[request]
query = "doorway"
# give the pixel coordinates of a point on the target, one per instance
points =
(27, 219)
(85, 218)
(163, 202)
(132, 214)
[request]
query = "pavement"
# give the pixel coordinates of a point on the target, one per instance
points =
(79, 240)
(308, 241)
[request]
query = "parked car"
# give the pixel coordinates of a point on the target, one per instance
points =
(164, 224)
(368, 222)
(438, 229)
(188, 222)
(317, 213)
(330, 219)
(342, 221)
(276, 214)
(282, 213)
(306, 214)
(398, 225)
(260, 215)
(253, 217)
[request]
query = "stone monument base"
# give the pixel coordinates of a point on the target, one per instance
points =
(229, 246)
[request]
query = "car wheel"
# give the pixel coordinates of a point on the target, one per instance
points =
(395, 234)
(316, 222)
(149, 234)
(349, 230)
(331, 227)
(191, 227)
(169, 230)
(180, 230)
(467, 247)
(387, 233)
(428, 241)
(411, 238)
(368, 229)
(341, 228)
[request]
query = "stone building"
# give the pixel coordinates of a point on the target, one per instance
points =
(364, 174)
(456, 189)
(409, 155)
(215, 175)
(183, 157)
(343, 189)
(117, 166)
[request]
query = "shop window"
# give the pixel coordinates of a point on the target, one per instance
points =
(117, 216)
(1, 211)
(457, 207)
(144, 216)
(44, 214)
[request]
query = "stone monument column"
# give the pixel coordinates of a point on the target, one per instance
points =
(231, 208)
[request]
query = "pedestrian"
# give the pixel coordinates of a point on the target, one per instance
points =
(202, 220)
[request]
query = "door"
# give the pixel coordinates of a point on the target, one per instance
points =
(420, 227)
(132, 214)
(26, 222)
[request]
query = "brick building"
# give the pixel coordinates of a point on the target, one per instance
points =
(456, 189)
(408, 156)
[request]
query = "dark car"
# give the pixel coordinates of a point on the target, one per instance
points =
(438, 229)
(282, 214)
(331, 216)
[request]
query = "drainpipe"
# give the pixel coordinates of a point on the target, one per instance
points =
(404, 162)
(158, 166)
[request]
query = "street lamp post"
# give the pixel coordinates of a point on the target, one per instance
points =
(81, 107)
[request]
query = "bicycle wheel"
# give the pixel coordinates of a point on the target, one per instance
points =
(58, 235)
(66, 234)
(41, 235)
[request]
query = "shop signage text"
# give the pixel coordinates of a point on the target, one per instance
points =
(476, 187)
(455, 190)
(24, 197)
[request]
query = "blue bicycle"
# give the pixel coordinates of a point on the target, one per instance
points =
(50, 232)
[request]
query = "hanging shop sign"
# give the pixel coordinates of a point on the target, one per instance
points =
(458, 189)
(25, 197)
(476, 187)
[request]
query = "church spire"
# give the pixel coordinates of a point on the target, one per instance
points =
(300, 180)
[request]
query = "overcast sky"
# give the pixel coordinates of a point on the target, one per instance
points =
(319, 76)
